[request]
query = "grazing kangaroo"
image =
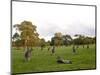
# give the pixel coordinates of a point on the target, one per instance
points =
(28, 54)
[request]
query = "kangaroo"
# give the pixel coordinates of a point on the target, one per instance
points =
(28, 54)
(53, 50)
(48, 48)
(74, 50)
(62, 61)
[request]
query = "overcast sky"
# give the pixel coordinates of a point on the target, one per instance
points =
(51, 18)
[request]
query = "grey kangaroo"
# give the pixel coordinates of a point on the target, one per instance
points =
(28, 54)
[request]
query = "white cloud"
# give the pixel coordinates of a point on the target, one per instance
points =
(51, 18)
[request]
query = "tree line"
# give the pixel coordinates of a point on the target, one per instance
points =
(26, 35)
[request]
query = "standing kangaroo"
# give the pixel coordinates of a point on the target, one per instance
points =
(28, 54)
(48, 48)
(53, 50)
(74, 50)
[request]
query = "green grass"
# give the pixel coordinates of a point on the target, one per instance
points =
(43, 61)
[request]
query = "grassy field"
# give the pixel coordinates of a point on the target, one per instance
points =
(43, 61)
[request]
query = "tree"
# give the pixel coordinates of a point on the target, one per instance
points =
(48, 43)
(84, 40)
(79, 40)
(27, 33)
(16, 40)
(94, 40)
(67, 40)
(42, 43)
(88, 40)
(16, 36)
(52, 41)
(58, 35)
(58, 41)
